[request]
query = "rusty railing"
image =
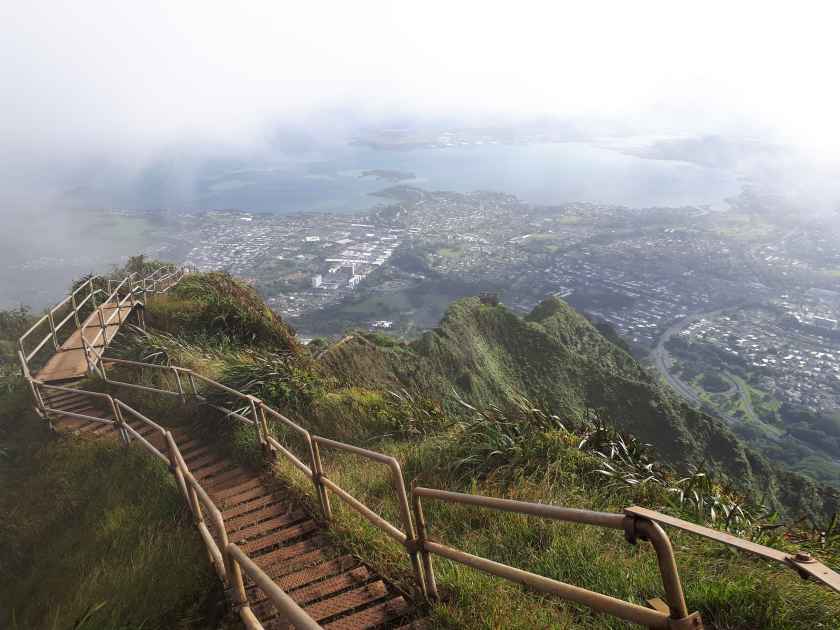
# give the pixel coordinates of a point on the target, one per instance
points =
(229, 562)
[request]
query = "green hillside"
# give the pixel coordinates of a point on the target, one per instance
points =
(560, 362)
(542, 408)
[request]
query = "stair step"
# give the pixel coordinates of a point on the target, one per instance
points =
(232, 492)
(270, 511)
(293, 557)
(348, 601)
(276, 538)
(215, 469)
(99, 428)
(141, 427)
(374, 616)
(203, 461)
(247, 506)
(303, 577)
(227, 479)
(354, 578)
(269, 525)
(194, 454)
(188, 447)
(244, 496)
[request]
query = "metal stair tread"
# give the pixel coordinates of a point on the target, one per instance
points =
(208, 459)
(232, 492)
(243, 496)
(374, 616)
(292, 557)
(215, 469)
(226, 479)
(252, 518)
(280, 536)
(269, 525)
(302, 577)
(347, 601)
(247, 506)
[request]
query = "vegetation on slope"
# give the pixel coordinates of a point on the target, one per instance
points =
(223, 309)
(432, 405)
(557, 359)
(93, 535)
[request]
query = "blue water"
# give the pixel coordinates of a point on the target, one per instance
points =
(551, 173)
(41, 253)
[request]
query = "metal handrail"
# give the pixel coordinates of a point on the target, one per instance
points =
(801, 562)
(48, 317)
(135, 284)
(645, 523)
(314, 471)
(228, 560)
(628, 611)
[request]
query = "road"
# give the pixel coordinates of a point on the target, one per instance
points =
(662, 360)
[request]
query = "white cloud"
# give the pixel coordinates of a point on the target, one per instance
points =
(128, 78)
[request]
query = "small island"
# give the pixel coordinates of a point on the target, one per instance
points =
(388, 175)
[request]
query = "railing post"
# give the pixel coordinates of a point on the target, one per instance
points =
(52, 330)
(92, 294)
(317, 474)
(75, 309)
(192, 383)
(118, 420)
(175, 468)
(86, 352)
(36, 394)
(269, 449)
(422, 533)
(240, 597)
(411, 537)
(648, 530)
(263, 439)
(102, 326)
(24, 364)
(181, 392)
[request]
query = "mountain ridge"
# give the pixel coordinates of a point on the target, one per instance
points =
(556, 359)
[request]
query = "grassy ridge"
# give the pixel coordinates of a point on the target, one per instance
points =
(399, 399)
(557, 359)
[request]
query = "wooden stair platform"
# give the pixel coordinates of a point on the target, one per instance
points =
(336, 589)
(69, 361)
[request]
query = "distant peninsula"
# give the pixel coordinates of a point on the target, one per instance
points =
(388, 175)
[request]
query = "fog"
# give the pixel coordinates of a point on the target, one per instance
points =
(97, 95)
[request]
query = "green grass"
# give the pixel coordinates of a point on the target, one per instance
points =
(731, 591)
(533, 462)
(94, 535)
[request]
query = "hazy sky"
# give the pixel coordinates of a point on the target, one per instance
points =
(123, 81)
